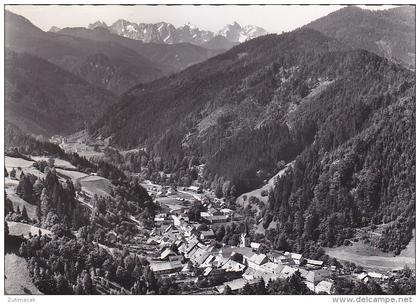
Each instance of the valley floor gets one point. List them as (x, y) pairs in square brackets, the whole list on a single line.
[(179, 200), (364, 255)]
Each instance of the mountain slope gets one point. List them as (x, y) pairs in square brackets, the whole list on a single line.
[(347, 118), (122, 68), (173, 57), (218, 43), (388, 33), (242, 98), (44, 99)]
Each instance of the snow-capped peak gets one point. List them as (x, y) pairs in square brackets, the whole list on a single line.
[(98, 23), (236, 33), (163, 32), (54, 29), (191, 26)]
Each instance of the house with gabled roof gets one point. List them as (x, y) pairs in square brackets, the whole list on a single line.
[(167, 253), (165, 267), (208, 262), (198, 256), (256, 246), (314, 263), (257, 260), (324, 287), (236, 284), (297, 257), (288, 271), (206, 235), (233, 266)]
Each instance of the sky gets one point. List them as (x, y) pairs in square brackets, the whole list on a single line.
[(273, 18)]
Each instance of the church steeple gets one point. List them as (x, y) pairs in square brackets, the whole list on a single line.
[(245, 240)]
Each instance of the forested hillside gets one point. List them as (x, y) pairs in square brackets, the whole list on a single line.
[(360, 171), (236, 109), (346, 116), (389, 33), (69, 223), (45, 100), (172, 57)]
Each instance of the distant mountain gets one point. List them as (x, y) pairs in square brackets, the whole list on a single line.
[(124, 66), (236, 33), (97, 24), (174, 57), (218, 43), (163, 32), (388, 33), (54, 29), (43, 99)]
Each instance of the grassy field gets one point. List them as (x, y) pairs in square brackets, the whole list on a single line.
[(260, 228), (57, 162), (91, 184), (81, 143), (12, 162), (10, 187), (372, 258), (96, 185), (25, 165), (17, 279), (24, 229), (73, 175), (173, 204), (17, 201), (257, 192)]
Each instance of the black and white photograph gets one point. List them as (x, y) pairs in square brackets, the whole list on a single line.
[(201, 149)]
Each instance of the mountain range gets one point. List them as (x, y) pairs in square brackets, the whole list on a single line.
[(163, 32), (122, 67), (102, 58)]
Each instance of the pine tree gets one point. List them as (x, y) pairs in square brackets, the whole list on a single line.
[(87, 284), (260, 288), (227, 290), (6, 230), (24, 213), (38, 212), (247, 290), (8, 205), (45, 202)]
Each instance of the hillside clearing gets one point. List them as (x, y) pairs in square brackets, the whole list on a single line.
[(57, 162), (14, 162), (26, 166), (73, 175), (257, 192), (96, 185), (17, 201), (368, 257), (17, 279), (16, 228)]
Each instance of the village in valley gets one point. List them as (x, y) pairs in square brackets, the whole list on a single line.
[(188, 251), (184, 242)]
